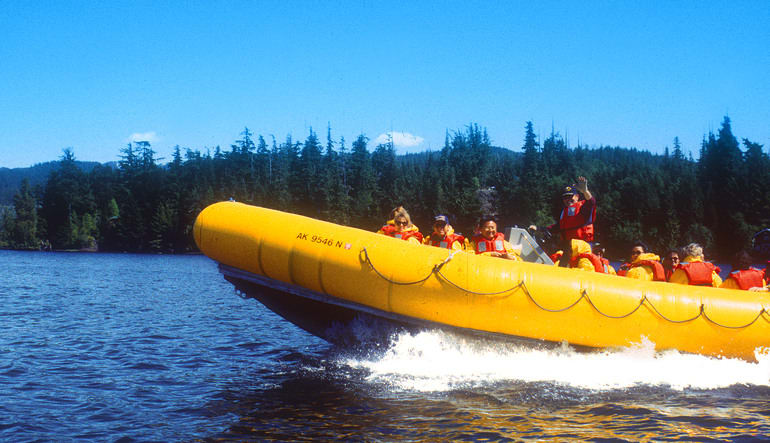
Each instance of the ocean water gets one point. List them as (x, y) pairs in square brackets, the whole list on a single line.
[(120, 347)]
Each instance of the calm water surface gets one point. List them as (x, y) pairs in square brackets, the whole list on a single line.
[(160, 348)]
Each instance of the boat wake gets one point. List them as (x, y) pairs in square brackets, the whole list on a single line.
[(441, 361)]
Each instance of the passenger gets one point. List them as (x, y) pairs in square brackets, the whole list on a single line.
[(583, 258), (576, 220), (556, 256), (643, 265), (599, 251), (743, 276), (694, 271), (490, 242), (469, 240), (400, 226), (670, 263), (443, 235)]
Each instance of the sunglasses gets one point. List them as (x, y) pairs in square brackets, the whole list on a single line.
[(404, 222)]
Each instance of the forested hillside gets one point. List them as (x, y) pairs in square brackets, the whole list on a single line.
[(667, 200), (11, 178)]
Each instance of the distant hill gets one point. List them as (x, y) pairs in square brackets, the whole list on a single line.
[(11, 178)]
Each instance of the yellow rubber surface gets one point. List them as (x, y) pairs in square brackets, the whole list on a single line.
[(483, 293)]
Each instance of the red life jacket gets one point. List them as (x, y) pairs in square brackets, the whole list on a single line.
[(658, 273), (747, 278), (390, 231), (573, 225), (698, 273), (595, 260), (605, 265), (446, 242), (482, 245)]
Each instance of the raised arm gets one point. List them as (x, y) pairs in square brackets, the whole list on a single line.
[(582, 185)]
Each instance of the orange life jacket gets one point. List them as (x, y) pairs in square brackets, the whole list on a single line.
[(747, 278), (446, 242), (698, 273), (595, 260), (482, 245), (658, 273), (573, 225), (390, 231)]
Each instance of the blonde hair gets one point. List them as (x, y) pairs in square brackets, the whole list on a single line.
[(693, 250), (401, 212)]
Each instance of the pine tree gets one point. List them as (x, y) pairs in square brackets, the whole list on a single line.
[(448, 184), (67, 197), (470, 157), (531, 199), (162, 228), (284, 158), (362, 182), (308, 192), (264, 171), (384, 167), (336, 197), (24, 232), (755, 203), (431, 186), (730, 229)]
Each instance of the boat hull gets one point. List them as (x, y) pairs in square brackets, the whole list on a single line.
[(355, 271), (339, 321)]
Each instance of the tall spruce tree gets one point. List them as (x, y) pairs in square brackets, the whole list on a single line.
[(531, 194), (385, 173), (309, 193), (362, 182), (284, 158), (722, 176), (24, 233), (755, 201), (470, 158), (66, 198), (336, 198), (263, 172)]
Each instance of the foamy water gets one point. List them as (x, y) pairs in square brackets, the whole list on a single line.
[(440, 361)]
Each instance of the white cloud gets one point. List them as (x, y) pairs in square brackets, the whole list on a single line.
[(400, 139), (151, 137)]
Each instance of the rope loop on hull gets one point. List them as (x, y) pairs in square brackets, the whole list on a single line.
[(583, 295), (382, 276), (761, 311)]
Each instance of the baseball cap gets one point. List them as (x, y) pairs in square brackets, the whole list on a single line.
[(569, 190)]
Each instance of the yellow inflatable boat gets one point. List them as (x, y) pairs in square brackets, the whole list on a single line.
[(317, 274)]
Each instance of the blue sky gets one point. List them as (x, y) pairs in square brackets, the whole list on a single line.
[(95, 75)]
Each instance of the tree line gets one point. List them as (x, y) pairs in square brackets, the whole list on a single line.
[(719, 200)]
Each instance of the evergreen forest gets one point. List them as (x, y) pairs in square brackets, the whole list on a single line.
[(142, 205)]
